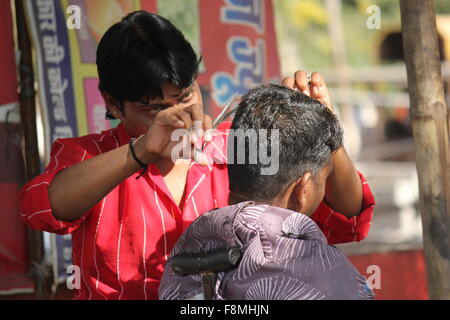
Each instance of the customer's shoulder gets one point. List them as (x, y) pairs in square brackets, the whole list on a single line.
[(215, 214)]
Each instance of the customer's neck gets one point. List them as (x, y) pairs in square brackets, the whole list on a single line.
[(235, 198)]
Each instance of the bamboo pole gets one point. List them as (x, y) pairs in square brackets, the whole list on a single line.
[(430, 131), (40, 273)]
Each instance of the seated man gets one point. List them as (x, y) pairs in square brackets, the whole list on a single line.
[(285, 255)]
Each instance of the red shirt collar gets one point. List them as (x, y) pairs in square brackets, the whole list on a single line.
[(123, 135)]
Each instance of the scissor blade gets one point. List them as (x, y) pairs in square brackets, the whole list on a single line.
[(223, 114)]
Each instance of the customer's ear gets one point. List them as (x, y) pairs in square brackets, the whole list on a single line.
[(302, 189)]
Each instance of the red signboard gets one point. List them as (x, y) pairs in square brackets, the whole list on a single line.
[(8, 83), (14, 278), (238, 46)]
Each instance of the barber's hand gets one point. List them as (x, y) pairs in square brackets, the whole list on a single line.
[(317, 89), (157, 142)]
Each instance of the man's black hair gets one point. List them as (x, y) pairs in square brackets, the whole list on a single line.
[(139, 54), (308, 135)]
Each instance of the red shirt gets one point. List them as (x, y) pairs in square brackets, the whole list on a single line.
[(121, 245)]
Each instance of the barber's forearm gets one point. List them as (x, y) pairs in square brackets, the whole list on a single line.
[(78, 188), (344, 190)]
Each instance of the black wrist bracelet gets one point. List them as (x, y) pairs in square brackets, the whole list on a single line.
[(133, 154)]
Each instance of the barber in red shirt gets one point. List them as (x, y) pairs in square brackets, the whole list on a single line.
[(123, 228)]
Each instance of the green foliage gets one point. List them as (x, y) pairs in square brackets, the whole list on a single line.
[(304, 23), (442, 6), (185, 16)]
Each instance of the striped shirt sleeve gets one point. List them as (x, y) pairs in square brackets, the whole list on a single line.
[(35, 205), (340, 229)]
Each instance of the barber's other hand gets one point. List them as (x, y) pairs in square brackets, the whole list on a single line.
[(317, 89)]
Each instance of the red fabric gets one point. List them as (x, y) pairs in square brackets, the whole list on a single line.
[(122, 244), (217, 34), (402, 274), (14, 273), (8, 81), (13, 251), (149, 5), (340, 229)]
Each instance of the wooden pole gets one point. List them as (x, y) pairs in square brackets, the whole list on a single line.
[(430, 131), (40, 273)]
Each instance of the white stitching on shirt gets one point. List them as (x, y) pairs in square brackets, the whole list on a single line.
[(118, 260), (95, 251), (162, 221), (195, 207), (95, 141), (143, 253), (58, 153), (81, 261), (84, 155), (195, 187), (37, 185), (35, 213), (329, 216)]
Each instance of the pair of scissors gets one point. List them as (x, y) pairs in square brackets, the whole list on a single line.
[(227, 111)]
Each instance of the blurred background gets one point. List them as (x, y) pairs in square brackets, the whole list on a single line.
[(355, 44), (363, 65)]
